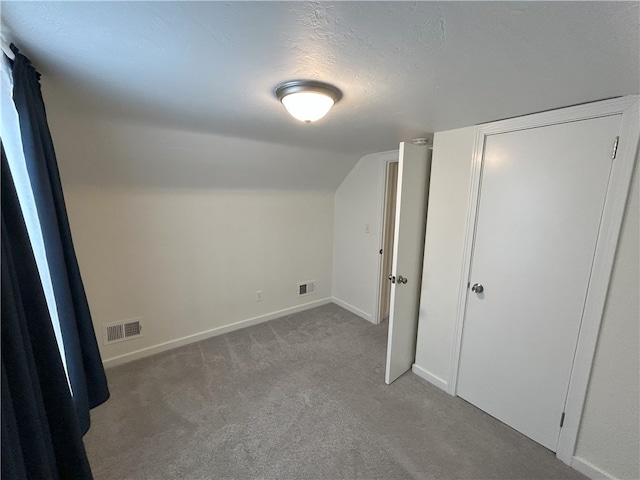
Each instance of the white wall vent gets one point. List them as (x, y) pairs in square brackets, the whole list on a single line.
[(306, 288), (121, 331)]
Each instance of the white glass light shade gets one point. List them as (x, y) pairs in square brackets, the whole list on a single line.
[(307, 106), (307, 100)]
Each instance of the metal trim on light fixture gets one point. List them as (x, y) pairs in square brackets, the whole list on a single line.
[(307, 100), (296, 86)]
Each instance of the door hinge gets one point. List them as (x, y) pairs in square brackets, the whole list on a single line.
[(615, 148), (562, 420)]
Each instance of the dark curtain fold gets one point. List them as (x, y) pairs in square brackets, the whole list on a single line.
[(41, 438), (84, 365)]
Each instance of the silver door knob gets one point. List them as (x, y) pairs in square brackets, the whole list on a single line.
[(477, 288), (402, 279), (392, 278)]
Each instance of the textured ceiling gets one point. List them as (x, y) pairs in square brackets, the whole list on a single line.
[(406, 68)]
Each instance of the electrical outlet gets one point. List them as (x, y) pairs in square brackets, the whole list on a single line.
[(366, 228), (259, 296)]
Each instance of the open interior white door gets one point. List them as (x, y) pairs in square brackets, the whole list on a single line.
[(408, 247)]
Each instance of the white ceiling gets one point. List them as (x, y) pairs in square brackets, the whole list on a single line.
[(406, 68)]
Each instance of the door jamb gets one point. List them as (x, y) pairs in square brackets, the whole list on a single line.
[(612, 217), (384, 158)]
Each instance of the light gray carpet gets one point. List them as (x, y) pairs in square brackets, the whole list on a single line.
[(300, 397)]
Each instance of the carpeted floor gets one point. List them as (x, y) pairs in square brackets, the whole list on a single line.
[(300, 397)]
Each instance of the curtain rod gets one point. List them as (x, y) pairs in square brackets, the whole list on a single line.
[(7, 49)]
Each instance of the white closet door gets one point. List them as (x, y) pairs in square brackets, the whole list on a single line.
[(408, 247), (541, 200)]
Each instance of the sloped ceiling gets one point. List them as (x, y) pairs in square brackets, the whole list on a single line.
[(406, 68)]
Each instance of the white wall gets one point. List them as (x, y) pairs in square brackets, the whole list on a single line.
[(358, 202), (609, 436), (443, 254), (189, 257), (192, 261)]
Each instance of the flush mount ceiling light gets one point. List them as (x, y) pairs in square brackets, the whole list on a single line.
[(307, 100)]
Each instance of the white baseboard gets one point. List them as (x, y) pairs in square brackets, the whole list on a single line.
[(591, 471), (352, 309), (178, 342), (430, 377)]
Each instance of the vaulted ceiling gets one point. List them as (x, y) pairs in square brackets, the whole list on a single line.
[(406, 68)]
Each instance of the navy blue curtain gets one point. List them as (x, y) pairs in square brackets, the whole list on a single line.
[(41, 437), (84, 366)]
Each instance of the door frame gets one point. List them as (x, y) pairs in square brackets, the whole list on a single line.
[(385, 159), (612, 217)]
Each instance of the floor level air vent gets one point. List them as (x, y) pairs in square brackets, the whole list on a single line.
[(121, 331), (306, 288)]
